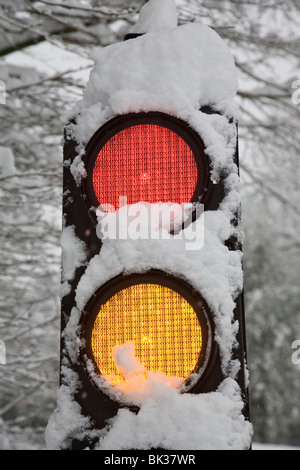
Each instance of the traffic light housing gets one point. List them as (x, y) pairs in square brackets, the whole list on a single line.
[(178, 306)]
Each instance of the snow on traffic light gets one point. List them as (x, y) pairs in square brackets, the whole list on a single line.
[(153, 351)]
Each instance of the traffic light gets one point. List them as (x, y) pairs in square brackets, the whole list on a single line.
[(155, 297)]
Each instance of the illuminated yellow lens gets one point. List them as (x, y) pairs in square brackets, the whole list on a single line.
[(162, 325)]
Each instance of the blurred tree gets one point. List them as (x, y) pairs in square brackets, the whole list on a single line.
[(264, 38), (272, 273)]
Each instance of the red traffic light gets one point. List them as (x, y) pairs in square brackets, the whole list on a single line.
[(145, 157)]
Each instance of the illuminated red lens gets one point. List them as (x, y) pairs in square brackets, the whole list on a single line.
[(144, 162)]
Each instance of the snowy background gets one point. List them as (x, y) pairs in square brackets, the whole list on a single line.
[(45, 69)]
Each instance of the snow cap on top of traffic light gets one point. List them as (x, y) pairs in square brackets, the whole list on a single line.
[(176, 70)]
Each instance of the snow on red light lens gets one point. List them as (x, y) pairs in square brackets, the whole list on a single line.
[(144, 163)]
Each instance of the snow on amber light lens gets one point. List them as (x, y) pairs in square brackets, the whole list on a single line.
[(144, 163), (161, 323)]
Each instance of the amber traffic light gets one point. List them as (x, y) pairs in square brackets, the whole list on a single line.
[(171, 328)]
